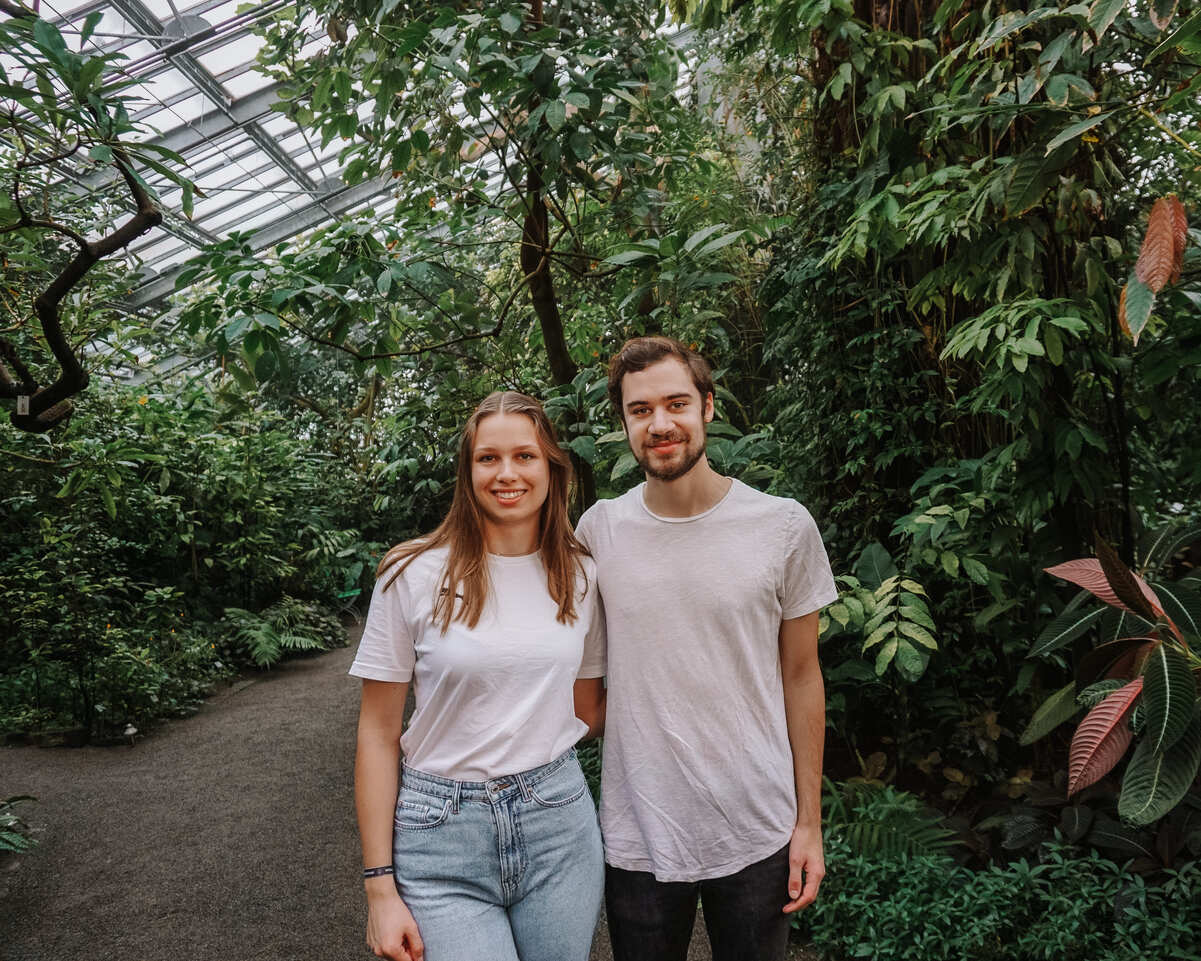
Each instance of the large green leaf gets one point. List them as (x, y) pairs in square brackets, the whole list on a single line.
[(1158, 547), (1156, 781), (1183, 605), (1138, 299), (1056, 709), (875, 565), (1169, 695), (1181, 35), (1114, 836), (1031, 176), (1064, 629), (1101, 17), (1075, 130), (1118, 624)]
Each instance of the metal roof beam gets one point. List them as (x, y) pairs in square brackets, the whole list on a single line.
[(334, 203)]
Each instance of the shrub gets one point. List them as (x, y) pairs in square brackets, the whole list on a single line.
[(1066, 906)]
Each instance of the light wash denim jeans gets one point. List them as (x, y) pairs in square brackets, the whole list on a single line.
[(509, 869)]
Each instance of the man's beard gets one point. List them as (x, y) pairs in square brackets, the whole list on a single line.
[(674, 471)]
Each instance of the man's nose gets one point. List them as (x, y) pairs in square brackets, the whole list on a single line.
[(660, 422)]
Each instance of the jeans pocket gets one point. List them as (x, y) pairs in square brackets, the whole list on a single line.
[(558, 791), (412, 815)]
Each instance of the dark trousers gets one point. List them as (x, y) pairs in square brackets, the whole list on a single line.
[(652, 920)]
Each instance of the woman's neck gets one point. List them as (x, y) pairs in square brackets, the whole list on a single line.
[(510, 540)]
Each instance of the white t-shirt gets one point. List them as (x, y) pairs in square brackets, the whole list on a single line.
[(698, 777), (494, 699)]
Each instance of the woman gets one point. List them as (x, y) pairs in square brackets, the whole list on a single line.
[(495, 618)]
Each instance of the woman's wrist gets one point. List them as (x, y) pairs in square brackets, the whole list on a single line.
[(380, 886)]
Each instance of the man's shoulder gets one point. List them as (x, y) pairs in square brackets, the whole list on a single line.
[(772, 505)]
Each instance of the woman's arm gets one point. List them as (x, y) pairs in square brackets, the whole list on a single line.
[(590, 696), (391, 930)]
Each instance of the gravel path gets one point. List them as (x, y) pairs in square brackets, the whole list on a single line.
[(226, 836)]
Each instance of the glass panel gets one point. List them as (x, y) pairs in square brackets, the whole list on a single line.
[(238, 50)]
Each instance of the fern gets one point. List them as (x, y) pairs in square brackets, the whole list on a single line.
[(288, 625), (882, 822)]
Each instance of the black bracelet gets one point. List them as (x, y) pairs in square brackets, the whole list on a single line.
[(379, 872)]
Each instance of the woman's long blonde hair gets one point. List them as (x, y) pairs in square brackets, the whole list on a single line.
[(462, 530)]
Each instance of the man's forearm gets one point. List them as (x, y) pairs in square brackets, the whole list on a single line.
[(805, 708)]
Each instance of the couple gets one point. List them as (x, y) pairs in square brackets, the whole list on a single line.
[(713, 709)]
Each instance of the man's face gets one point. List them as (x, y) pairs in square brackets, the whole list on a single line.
[(665, 419)]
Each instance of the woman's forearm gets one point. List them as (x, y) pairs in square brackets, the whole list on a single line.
[(377, 768)]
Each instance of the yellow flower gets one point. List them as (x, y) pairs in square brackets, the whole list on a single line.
[(143, 399)]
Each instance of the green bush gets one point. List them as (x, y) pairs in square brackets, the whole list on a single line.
[(1068, 907), (15, 835)]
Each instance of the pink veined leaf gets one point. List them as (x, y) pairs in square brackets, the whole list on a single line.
[(1102, 738), (1086, 572)]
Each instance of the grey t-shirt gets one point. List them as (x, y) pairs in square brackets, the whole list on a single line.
[(697, 779)]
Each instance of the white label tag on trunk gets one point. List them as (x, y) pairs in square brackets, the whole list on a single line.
[(23, 404)]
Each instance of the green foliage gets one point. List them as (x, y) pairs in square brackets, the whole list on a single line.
[(879, 821), (1063, 906), (287, 625), (893, 621), (15, 835), (109, 616), (1150, 680)]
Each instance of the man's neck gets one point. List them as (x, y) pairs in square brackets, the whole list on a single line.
[(696, 492)]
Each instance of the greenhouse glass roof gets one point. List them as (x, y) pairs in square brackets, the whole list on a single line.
[(200, 95)]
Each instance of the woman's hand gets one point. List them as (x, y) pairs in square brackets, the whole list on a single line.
[(391, 931)]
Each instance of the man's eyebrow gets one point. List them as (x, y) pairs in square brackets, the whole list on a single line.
[(683, 394)]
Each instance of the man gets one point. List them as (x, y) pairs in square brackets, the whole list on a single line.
[(716, 709)]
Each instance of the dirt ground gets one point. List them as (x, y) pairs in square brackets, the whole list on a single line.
[(226, 836)]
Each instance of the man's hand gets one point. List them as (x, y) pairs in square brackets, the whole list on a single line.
[(391, 931), (806, 866)]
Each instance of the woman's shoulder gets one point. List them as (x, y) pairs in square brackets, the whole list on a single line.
[(420, 565)]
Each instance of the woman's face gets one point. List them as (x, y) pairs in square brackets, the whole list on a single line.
[(510, 475)]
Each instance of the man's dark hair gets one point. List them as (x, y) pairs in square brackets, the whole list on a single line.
[(639, 353)]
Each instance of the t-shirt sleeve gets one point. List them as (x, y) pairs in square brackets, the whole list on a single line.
[(583, 530), (808, 582), (593, 663), (386, 650)]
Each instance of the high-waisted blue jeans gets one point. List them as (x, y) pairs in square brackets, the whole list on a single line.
[(509, 869)]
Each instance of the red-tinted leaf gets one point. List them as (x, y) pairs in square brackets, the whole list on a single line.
[(1102, 738), (1179, 235), (1087, 573), (1157, 258), (1121, 658), (1125, 582)]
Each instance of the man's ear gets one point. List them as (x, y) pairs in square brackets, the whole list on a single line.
[(708, 407)]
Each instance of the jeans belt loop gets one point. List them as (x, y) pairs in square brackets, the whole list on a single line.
[(525, 788), (454, 801)]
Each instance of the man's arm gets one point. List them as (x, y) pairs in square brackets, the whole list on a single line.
[(805, 709)]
